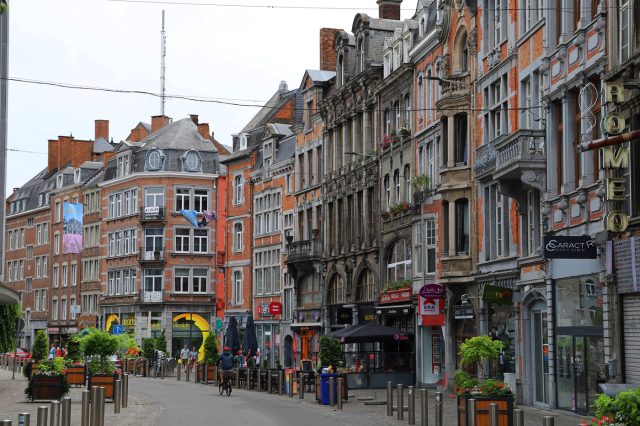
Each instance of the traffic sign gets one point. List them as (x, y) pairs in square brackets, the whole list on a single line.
[(219, 324), (116, 329)]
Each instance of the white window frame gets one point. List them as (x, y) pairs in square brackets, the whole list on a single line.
[(238, 288), (238, 236)]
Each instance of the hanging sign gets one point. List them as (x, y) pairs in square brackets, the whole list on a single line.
[(563, 247), (263, 310), (275, 308), (463, 312), (498, 295), (432, 291)]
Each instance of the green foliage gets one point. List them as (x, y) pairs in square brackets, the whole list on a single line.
[(623, 409), (9, 315), (330, 351), (101, 366), (278, 365), (479, 348), (99, 345), (491, 387), (148, 346), (125, 342), (421, 182), (73, 348), (464, 382), (211, 349), (161, 342), (251, 362), (397, 285), (40, 348)]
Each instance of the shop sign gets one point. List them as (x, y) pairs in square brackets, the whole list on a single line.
[(430, 306), (463, 312), (275, 308), (87, 321), (563, 247), (495, 294), (263, 310), (432, 291), (396, 296), (53, 330)]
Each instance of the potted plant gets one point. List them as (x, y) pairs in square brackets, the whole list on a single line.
[(474, 352), (49, 383), (386, 215), (39, 352), (100, 347), (617, 411), (404, 132), (211, 355), (394, 137), (75, 371), (330, 358)]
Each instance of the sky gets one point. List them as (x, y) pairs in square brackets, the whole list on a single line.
[(238, 53)]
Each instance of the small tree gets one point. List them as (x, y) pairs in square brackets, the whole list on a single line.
[(74, 350), (40, 348), (211, 349), (100, 345), (330, 351), (478, 349), (161, 342), (148, 346)]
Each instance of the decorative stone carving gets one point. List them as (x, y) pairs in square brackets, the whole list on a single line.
[(534, 178), (446, 65), (472, 42)]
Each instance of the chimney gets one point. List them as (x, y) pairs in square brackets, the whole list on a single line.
[(327, 53), (389, 9), (203, 129), (158, 122), (102, 129), (194, 118)]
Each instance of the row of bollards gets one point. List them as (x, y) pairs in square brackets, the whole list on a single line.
[(472, 414)]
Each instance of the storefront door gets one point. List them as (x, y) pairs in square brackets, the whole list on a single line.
[(580, 367), (540, 351)]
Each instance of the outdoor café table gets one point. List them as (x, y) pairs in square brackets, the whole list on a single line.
[(264, 374), (274, 380), (243, 373)]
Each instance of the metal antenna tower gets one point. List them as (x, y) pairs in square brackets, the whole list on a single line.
[(163, 67)]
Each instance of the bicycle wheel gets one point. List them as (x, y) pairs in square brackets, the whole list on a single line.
[(229, 388), (221, 387)]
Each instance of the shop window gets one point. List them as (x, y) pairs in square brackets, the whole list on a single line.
[(579, 302)]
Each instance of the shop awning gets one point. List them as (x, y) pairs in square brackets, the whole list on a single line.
[(369, 332), (8, 296)]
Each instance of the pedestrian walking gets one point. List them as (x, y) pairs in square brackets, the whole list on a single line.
[(184, 357), (52, 351), (194, 356), (258, 358)]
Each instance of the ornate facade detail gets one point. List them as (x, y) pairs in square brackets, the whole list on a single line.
[(534, 178), (472, 42)]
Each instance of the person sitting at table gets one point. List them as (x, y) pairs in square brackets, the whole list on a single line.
[(357, 366)]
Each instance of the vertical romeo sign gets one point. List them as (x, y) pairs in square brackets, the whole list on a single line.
[(72, 228)]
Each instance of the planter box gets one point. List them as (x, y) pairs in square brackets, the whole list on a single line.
[(76, 375), (131, 366), (505, 409), (46, 388), (105, 380)]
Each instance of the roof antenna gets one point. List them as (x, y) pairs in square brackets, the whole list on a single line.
[(163, 68)]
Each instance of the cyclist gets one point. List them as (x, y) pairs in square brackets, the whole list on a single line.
[(226, 363)]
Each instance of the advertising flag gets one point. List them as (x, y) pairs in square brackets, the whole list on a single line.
[(72, 228)]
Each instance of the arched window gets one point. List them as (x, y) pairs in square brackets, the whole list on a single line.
[(365, 289), (387, 121), (387, 190), (460, 60), (464, 59), (407, 111), (407, 183), (361, 53), (237, 288), (337, 293), (396, 184), (341, 70), (420, 98), (399, 262), (238, 235), (439, 75), (396, 107), (238, 189), (429, 94)]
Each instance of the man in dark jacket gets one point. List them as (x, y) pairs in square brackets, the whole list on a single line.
[(226, 361)]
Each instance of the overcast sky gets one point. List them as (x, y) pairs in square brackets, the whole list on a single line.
[(212, 51)]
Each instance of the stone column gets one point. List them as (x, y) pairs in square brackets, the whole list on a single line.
[(452, 229), (551, 148), (586, 158), (366, 140), (451, 141), (346, 143), (336, 227)]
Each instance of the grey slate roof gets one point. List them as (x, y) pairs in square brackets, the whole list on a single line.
[(267, 111), (180, 135), (101, 145), (320, 76), (286, 150)]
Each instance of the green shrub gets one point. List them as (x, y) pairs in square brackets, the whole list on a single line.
[(211, 349), (74, 349), (464, 382), (40, 349), (330, 351), (99, 345), (161, 342), (477, 349), (623, 409)]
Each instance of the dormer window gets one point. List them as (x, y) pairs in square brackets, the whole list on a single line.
[(396, 56), (191, 161), (387, 64), (361, 53), (59, 181), (123, 165), (341, 69), (243, 142), (155, 160), (422, 28), (406, 46), (76, 176)]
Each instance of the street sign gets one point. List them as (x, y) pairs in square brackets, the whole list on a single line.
[(219, 324), (275, 308), (116, 329), (75, 309)]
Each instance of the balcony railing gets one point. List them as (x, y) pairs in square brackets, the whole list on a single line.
[(304, 250), (152, 213), (150, 256), (454, 85), (151, 296)]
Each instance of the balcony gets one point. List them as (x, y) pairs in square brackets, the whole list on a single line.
[(150, 257), (455, 91), (302, 255), (196, 298), (150, 296), (460, 265), (152, 214), (521, 159)]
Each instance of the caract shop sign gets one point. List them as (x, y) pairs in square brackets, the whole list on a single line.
[(561, 247)]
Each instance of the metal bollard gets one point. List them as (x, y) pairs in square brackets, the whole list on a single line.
[(187, 373), (163, 367), (424, 407), (304, 379), (125, 390), (301, 387), (332, 389), (237, 378), (400, 408), (291, 384), (94, 406), (54, 420), (518, 417), (43, 413), (493, 415), (438, 414), (340, 392), (259, 387), (117, 396), (412, 406), (24, 419), (280, 378), (5, 422), (178, 371), (389, 400), (66, 411), (85, 411), (472, 415), (547, 421), (100, 402)]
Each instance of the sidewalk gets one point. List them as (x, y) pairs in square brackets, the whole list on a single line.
[(141, 410)]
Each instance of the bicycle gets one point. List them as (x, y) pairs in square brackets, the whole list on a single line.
[(225, 384)]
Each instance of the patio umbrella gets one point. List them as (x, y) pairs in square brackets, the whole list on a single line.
[(231, 338), (250, 343), (343, 331), (370, 332)]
